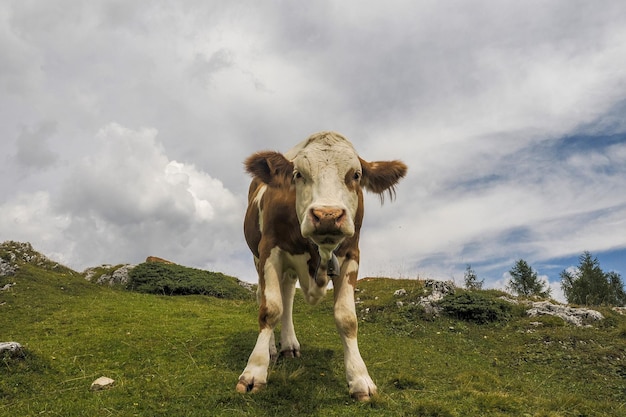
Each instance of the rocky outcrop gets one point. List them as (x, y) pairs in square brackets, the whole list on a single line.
[(109, 274), (434, 290), (7, 268), (16, 252), (575, 316)]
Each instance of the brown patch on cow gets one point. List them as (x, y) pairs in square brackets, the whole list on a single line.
[(270, 167), (382, 176), (156, 259)]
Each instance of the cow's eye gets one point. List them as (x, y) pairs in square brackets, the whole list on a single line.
[(297, 175), (357, 176)]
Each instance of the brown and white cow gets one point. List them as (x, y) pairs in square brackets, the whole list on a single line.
[(305, 210)]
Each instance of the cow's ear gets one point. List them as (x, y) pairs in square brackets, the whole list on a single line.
[(270, 167), (381, 176)]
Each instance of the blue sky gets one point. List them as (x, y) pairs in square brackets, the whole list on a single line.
[(124, 126)]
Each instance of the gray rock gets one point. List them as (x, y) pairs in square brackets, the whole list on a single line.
[(7, 268), (118, 276), (12, 348), (575, 316), (400, 292)]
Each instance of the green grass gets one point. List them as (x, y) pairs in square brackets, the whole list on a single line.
[(181, 356)]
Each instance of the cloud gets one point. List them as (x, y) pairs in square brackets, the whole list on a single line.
[(127, 200), (32, 146)]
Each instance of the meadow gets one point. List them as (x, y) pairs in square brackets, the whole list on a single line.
[(182, 355)]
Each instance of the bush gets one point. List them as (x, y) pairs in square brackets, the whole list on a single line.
[(170, 279), (475, 307)]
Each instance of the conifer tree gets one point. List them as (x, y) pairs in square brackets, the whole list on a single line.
[(590, 285), (525, 282)]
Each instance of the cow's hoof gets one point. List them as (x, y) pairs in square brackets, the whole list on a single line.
[(361, 396), (243, 386), (290, 353)]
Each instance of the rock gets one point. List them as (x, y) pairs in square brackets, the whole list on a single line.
[(438, 290), (110, 275), (12, 348), (247, 285), (619, 310), (400, 292), (575, 316), (119, 276), (7, 286), (102, 383), (7, 268), (156, 259)]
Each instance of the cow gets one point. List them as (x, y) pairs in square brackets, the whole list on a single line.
[(304, 215)]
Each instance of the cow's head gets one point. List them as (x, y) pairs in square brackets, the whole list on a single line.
[(328, 177)]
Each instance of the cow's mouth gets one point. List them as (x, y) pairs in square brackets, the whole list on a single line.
[(329, 240)]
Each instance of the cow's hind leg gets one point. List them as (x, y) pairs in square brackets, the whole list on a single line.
[(254, 376), (360, 384)]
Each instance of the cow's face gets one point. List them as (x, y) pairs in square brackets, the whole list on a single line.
[(327, 175), (327, 178)]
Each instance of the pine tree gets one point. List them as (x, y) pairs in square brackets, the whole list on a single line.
[(525, 282), (590, 285)]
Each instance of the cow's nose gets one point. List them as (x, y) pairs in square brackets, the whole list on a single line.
[(327, 217)]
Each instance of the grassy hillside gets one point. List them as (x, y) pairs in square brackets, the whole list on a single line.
[(181, 356)]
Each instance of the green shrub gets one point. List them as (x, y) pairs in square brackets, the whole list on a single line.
[(476, 307), (170, 279)]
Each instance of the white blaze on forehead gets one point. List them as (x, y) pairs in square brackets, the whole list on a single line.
[(324, 157), (319, 142)]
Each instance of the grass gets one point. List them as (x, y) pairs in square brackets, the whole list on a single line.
[(181, 356)]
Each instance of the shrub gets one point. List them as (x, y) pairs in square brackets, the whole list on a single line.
[(170, 279), (475, 307)]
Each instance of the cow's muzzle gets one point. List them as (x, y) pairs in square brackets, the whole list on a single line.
[(327, 220)]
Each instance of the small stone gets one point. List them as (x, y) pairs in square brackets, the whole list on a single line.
[(12, 348), (102, 383)]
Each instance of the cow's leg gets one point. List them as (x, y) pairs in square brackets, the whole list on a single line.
[(289, 345), (254, 376), (273, 350), (360, 384)]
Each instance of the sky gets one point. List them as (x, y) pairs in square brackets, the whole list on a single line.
[(124, 125)]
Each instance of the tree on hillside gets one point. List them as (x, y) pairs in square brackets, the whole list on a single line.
[(590, 285), (471, 280), (525, 282)]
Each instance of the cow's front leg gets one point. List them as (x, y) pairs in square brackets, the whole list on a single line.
[(254, 376), (289, 345), (360, 384)]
